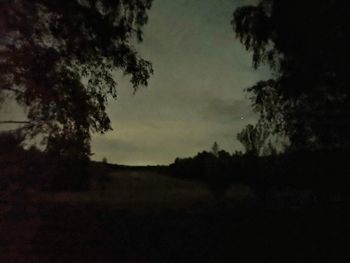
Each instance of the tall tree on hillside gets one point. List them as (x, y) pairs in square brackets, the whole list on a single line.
[(58, 59), (215, 149), (306, 45)]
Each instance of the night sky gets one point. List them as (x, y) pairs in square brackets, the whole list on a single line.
[(196, 95)]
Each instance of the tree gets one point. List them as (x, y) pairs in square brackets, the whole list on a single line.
[(305, 44), (215, 149), (58, 59), (253, 139)]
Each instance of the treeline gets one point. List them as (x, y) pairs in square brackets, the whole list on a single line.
[(325, 173), (23, 167), (31, 168)]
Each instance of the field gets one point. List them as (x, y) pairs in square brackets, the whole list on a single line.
[(140, 191), (143, 216)]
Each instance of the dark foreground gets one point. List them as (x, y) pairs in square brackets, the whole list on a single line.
[(90, 233)]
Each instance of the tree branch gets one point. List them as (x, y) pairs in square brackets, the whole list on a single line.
[(12, 89), (14, 122)]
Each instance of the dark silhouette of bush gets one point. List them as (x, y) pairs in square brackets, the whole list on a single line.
[(12, 159), (42, 170)]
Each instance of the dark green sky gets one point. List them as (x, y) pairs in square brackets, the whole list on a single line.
[(196, 94)]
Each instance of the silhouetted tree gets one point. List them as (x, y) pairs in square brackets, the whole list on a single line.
[(215, 149), (57, 60), (305, 44), (253, 139)]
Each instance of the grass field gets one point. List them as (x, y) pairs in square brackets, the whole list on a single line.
[(147, 217), (147, 192)]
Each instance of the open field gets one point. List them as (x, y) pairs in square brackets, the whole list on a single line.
[(136, 191), (147, 217)]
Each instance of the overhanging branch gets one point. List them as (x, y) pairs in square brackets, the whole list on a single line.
[(14, 122)]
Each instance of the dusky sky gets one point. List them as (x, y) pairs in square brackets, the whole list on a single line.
[(196, 95)]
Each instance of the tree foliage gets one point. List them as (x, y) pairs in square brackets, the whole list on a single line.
[(58, 58), (305, 43), (253, 139)]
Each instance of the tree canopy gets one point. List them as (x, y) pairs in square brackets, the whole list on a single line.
[(58, 60), (305, 44)]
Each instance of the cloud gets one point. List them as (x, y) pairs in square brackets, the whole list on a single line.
[(221, 110)]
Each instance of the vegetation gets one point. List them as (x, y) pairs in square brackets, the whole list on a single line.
[(57, 60), (305, 44), (253, 139)]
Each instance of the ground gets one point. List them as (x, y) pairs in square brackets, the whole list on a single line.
[(148, 217)]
